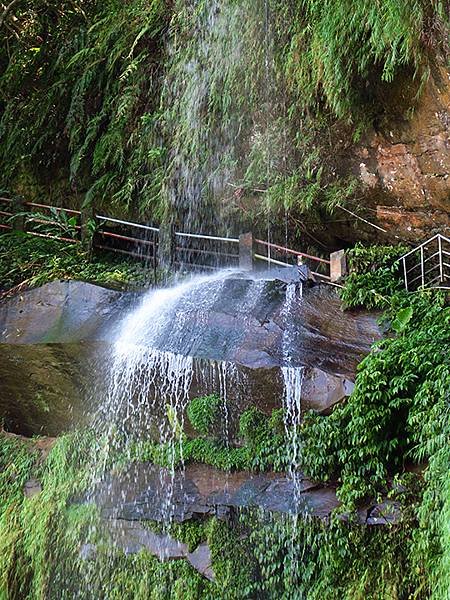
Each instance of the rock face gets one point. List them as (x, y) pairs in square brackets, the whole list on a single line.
[(60, 312), (56, 340), (140, 494), (137, 495), (404, 166), (132, 537)]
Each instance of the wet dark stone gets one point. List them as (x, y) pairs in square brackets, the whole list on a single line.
[(202, 490), (200, 559), (244, 323), (55, 339), (131, 537)]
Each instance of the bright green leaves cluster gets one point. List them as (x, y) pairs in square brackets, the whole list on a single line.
[(374, 276), (263, 448), (85, 100), (156, 107), (376, 431), (398, 415), (40, 536), (203, 412)]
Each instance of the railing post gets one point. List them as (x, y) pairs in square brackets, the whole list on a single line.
[(87, 231), (246, 251), (166, 246), (441, 260), (422, 266), (405, 273), (18, 208), (338, 266)]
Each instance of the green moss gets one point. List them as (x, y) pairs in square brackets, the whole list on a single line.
[(204, 413), (264, 448)]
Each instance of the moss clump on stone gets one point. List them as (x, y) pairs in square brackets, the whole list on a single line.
[(204, 413)]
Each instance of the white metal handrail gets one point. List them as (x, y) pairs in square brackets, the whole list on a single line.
[(428, 264)]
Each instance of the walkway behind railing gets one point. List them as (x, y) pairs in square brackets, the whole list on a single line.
[(164, 246), (428, 265)]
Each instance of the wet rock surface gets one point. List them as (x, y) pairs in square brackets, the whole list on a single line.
[(140, 494), (132, 536), (56, 340), (238, 319), (60, 312)]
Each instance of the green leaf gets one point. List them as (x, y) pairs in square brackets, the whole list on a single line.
[(402, 319)]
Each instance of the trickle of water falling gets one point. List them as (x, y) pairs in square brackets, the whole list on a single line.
[(293, 381), (149, 387)]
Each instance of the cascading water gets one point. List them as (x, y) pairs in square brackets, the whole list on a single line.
[(152, 368), (149, 386), (293, 380)]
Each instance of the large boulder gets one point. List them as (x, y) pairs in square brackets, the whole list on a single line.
[(57, 342)]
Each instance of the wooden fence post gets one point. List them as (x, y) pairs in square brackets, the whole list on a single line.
[(246, 251), (166, 246), (338, 266), (18, 208), (87, 231)]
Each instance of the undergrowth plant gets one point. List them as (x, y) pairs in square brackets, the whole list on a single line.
[(34, 261)]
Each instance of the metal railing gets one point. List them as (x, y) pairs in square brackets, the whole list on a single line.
[(428, 265), (161, 245), (274, 252)]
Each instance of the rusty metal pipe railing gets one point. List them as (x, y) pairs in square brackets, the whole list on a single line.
[(293, 252)]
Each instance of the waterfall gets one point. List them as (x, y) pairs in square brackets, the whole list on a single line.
[(293, 381), (153, 367), (149, 387), (219, 100)]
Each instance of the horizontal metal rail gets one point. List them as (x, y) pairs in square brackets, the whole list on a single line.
[(294, 252), (45, 222), (206, 251), (199, 236), (125, 238), (428, 261), (283, 264), (202, 251), (435, 237), (53, 237), (129, 223), (69, 211), (128, 252), (194, 266)]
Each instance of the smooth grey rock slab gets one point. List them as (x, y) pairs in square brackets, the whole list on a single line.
[(235, 319), (55, 347), (201, 490), (132, 537), (200, 559), (60, 311)]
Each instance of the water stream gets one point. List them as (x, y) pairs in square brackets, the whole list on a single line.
[(154, 366)]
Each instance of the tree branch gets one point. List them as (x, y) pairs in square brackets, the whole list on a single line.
[(7, 10)]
